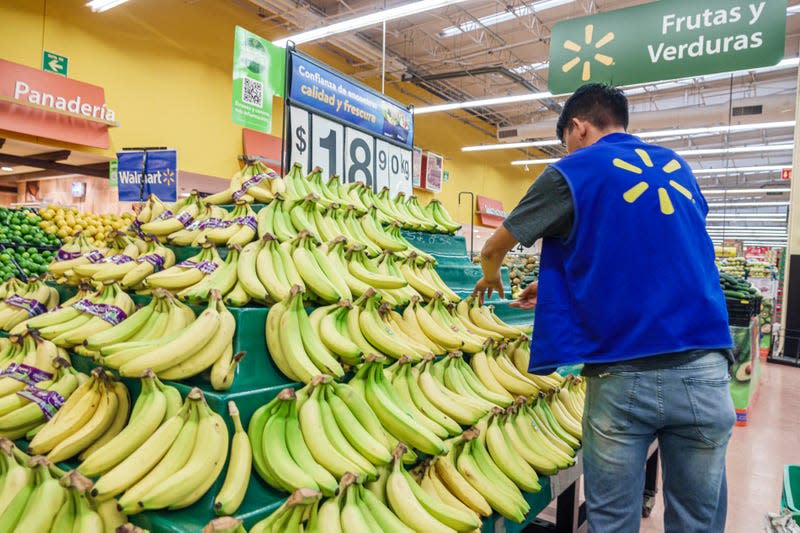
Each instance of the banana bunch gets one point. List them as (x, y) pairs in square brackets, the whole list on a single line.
[(205, 343), (33, 360), (405, 420), (299, 508), (237, 478), (74, 253), (208, 216), (70, 326), (223, 280), (175, 466), (413, 216), (497, 372), (366, 269), (130, 275), (155, 404), (436, 211), (224, 524), (336, 251), (549, 444), (85, 418), (330, 323), (265, 270), (519, 352), (175, 218), (317, 270), (422, 276), (305, 214), (441, 327), (294, 345), (275, 219), (238, 227), (24, 410), (36, 496), (123, 251), (395, 230), (188, 272), (378, 328), (566, 404), (297, 185), (349, 220), (150, 210), (25, 300), (256, 181), (374, 230), (10, 286)]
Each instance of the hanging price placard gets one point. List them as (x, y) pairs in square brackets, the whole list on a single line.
[(346, 128)]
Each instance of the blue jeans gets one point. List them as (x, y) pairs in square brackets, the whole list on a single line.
[(689, 410)]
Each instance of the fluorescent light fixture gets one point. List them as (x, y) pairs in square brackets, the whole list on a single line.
[(766, 229), (7, 169), (737, 150), (365, 20), (540, 65), (736, 170), (536, 161), (642, 134), (734, 217), (748, 204), (507, 146), (706, 192), (497, 18), (98, 6), (734, 128), (487, 101)]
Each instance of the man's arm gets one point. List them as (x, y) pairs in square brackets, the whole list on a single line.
[(546, 210), (492, 255)]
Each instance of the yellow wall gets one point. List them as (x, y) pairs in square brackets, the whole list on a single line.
[(166, 69)]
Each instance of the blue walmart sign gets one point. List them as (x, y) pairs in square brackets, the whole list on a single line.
[(160, 175)]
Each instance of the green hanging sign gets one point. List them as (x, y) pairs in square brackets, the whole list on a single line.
[(259, 72), (666, 40)]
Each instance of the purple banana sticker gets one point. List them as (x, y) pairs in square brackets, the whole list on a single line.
[(33, 307)]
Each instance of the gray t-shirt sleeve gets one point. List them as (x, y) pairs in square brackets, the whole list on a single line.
[(546, 210)]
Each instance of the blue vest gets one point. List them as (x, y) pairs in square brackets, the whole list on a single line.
[(636, 277)]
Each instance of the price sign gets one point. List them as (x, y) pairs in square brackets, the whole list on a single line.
[(346, 128)]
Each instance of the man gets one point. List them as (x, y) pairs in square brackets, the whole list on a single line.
[(629, 287)]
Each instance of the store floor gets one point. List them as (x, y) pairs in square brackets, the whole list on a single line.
[(757, 453)]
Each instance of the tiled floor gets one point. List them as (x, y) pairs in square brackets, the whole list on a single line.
[(757, 453)]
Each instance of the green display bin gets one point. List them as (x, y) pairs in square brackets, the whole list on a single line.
[(790, 499), (538, 502)]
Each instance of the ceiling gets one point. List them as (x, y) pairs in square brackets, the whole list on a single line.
[(510, 58)]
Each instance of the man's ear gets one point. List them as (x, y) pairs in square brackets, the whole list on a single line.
[(581, 126)]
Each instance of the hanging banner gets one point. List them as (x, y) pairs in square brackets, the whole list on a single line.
[(346, 128), (160, 169), (666, 40), (258, 75)]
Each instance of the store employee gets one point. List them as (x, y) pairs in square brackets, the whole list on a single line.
[(629, 287)]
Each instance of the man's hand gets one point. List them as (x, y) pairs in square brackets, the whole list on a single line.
[(527, 298), (489, 285)]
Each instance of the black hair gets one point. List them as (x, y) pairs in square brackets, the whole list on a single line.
[(602, 105)]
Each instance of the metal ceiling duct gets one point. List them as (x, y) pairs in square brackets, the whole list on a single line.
[(746, 111)]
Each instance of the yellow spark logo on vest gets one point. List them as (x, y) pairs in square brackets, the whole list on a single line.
[(588, 35), (633, 194)]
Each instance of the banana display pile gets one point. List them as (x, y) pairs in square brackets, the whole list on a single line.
[(36, 379), (316, 437), (71, 324), (127, 260), (304, 346), (260, 183), (37, 496), (21, 300), (167, 338)]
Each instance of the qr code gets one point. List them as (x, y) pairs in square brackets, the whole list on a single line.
[(252, 91)]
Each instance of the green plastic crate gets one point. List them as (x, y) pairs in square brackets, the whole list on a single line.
[(790, 498)]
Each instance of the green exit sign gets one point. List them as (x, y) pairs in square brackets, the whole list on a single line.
[(54, 63)]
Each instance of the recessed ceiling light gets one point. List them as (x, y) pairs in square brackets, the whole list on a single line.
[(7, 169)]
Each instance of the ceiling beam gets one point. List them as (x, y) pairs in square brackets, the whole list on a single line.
[(52, 165), (56, 155)]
